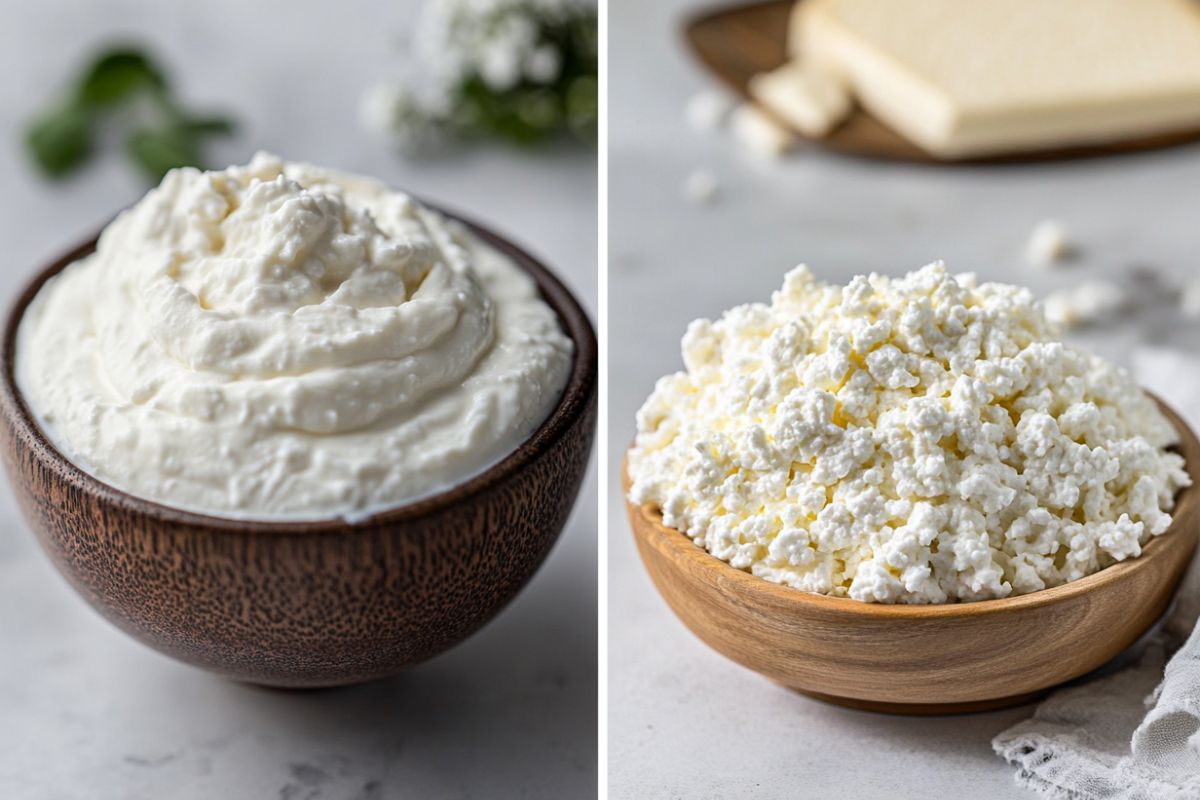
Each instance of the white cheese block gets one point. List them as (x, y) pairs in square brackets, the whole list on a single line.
[(701, 187), (812, 101), (1049, 244), (1087, 303), (975, 78), (708, 110), (758, 133), (1189, 299)]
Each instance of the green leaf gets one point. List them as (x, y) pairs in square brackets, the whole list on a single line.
[(208, 126), (118, 74), (60, 141), (159, 150), (125, 86), (522, 115), (583, 107)]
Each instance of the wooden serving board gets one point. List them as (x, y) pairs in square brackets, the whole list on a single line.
[(737, 42)]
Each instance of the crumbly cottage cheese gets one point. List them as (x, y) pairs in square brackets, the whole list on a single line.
[(911, 440), (1085, 303), (280, 340)]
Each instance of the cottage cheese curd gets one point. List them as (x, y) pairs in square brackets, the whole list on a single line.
[(280, 340), (911, 440), (1085, 303)]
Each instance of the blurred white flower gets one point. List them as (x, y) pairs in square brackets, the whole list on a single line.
[(499, 66), (543, 64), (521, 69), (415, 122), (377, 110)]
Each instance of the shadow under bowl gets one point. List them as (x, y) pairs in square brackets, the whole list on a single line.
[(309, 603), (933, 659)]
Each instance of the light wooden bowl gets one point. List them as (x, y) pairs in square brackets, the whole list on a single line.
[(311, 603), (921, 659)]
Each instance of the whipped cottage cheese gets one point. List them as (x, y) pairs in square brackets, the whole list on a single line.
[(911, 440), (280, 340)]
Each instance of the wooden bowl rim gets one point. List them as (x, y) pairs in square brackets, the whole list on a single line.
[(680, 548), (572, 404)]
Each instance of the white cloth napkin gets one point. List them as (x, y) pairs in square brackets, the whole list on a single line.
[(1134, 733)]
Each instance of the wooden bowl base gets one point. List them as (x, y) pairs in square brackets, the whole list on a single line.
[(897, 658), (925, 709)]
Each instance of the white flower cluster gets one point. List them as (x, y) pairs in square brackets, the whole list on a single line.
[(502, 42)]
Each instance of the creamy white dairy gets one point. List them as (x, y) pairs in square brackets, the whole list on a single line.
[(910, 440), (283, 341)]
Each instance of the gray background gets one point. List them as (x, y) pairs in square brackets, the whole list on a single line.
[(87, 713), (683, 721)]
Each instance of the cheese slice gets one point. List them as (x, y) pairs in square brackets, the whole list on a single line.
[(758, 133), (813, 101), (966, 78)]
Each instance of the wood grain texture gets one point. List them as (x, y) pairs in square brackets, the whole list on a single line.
[(921, 659), (320, 603), (737, 42)]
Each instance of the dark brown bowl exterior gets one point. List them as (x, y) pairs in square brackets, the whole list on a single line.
[(307, 604)]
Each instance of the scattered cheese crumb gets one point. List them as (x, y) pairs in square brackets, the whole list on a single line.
[(707, 110), (1189, 299), (903, 440), (760, 134), (700, 187), (1049, 244), (812, 101), (1084, 304)]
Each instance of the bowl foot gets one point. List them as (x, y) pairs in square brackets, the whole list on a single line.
[(926, 709)]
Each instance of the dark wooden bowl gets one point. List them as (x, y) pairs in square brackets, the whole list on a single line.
[(936, 659), (736, 41), (309, 603)]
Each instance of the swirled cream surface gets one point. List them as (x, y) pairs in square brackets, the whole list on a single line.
[(283, 341)]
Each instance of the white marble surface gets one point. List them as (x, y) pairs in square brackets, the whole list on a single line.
[(88, 714), (683, 721)]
